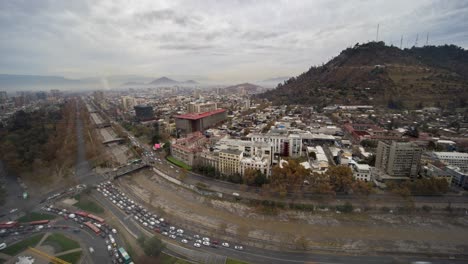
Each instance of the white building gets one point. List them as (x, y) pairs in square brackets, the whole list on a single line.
[(457, 159), (361, 172)]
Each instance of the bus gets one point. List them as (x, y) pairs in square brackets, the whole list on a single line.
[(125, 256), (39, 222), (93, 227), (96, 218), (9, 224), (82, 213)]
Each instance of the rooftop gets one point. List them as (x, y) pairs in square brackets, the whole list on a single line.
[(196, 116)]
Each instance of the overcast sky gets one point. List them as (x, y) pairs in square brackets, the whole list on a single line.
[(220, 40)]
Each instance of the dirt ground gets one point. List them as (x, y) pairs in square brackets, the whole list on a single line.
[(357, 231)]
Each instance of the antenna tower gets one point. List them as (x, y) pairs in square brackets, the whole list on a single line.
[(416, 42), (401, 42), (377, 35), (427, 39)]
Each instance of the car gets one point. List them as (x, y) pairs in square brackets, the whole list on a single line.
[(238, 247), (206, 239), (91, 250), (109, 248), (196, 236), (206, 243), (114, 231), (185, 241), (198, 241), (224, 244), (172, 228), (3, 246), (181, 231), (196, 245), (164, 233), (173, 236), (145, 224)]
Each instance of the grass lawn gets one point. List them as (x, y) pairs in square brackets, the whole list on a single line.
[(34, 216), (166, 259), (62, 241), (22, 245), (73, 257), (178, 163), (88, 205), (235, 261)]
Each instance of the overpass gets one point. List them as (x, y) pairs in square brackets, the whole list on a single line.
[(103, 125), (126, 170), (114, 140)]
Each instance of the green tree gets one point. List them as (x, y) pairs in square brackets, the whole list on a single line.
[(341, 178)]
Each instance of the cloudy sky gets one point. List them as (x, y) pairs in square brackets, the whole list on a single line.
[(223, 41)]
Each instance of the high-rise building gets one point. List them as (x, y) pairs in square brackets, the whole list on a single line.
[(128, 102), (398, 159), (201, 107), (3, 97), (144, 112)]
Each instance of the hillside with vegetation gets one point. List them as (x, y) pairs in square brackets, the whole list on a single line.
[(376, 74)]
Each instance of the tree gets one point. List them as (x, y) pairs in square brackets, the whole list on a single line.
[(153, 246), (341, 178), (361, 188), (313, 155), (289, 177), (249, 176)]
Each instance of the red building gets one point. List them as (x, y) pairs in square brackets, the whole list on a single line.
[(189, 123)]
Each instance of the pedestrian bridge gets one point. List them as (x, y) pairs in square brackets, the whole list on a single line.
[(114, 140)]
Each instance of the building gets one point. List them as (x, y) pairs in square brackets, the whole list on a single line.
[(398, 159), (187, 149), (459, 178), (192, 122), (361, 172), (128, 102), (55, 93), (457, 159), (143, 112), (229, 161), (201, 107), (359, 132), (432, 171), (3, 97), (98, 95)]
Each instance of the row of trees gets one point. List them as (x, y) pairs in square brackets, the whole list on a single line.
[(423, 186)]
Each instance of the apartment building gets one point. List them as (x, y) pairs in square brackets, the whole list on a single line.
[(361, 172), (398, 159), (187, 149), (457, 159), (201, 107), (229, 161)]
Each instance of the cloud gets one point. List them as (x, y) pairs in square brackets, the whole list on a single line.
[(221, 40)]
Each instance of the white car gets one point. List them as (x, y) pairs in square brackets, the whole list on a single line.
[(181, 231), (91, 250), (206, 243), (198, 241), (13, 210), (206, 239), (184, 241), (197, 245), (145, 224), (161, 219), (172, 228), (173, 236), (238, 247), (164, 233), (224, 244), (3, 246), (114, 231)]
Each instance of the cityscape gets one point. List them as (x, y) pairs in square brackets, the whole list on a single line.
[(267, 151)]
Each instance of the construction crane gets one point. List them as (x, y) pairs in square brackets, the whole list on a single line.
[(48, 257)]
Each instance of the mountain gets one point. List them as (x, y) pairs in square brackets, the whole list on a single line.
[(190, 82), (133, 83), (163, 81), (376, 74), (248, 88)]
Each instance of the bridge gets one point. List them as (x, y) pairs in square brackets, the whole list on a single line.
[(114, 140), (121, 171), (103, 125)]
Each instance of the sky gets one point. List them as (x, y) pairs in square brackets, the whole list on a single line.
[(221, 41)]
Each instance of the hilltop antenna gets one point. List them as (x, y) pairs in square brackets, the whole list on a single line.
[(427, 39), (401, 41), (377, 35), (416, 42)]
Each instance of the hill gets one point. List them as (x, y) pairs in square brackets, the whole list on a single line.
[(376, 74), (248, 88), (11, 82), (163, 81)]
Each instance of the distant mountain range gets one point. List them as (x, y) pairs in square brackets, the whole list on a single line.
[(373, 73), (163, 81)]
